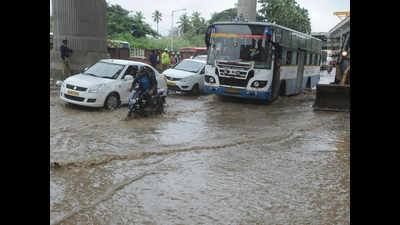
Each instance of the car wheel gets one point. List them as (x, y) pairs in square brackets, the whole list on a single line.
[(196, 89), (112, 101)]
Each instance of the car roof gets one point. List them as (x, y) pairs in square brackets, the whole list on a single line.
[(196, 60), (124, 62)]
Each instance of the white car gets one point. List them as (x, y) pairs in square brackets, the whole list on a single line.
[(186, 76), (106, 84), (201, 57)]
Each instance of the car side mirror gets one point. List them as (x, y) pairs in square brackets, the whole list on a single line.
[(128, 77)]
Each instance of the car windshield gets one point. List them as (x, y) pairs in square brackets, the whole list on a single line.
[(202, 57), (105, 70), (242, 43), (190, 66)]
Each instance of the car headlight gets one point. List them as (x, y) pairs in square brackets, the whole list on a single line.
[(96, 89)]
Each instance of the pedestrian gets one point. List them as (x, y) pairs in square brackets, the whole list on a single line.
[(65, 56), (153, 59), (165, 60), (172, 58), (178, 57), (158, 56)]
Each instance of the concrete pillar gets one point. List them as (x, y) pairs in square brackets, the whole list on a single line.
[(84, 24), (247, 9)]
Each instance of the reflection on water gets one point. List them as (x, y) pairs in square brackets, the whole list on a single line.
[(207, 160)]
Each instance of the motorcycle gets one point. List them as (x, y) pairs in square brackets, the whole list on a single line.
[(140, 106)]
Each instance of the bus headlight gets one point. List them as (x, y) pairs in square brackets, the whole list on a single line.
[(209, 79), (344, 53), (259, 83)]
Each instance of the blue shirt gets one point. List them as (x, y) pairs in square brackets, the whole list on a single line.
[(65, 51), (145, 83)]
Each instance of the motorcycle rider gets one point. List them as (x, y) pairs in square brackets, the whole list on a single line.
[(147, 84)]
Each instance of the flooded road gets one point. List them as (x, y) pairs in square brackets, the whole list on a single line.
[(207, 160)]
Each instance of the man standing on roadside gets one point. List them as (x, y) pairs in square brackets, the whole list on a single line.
[(153, 59), (165, 60), (65, 54)]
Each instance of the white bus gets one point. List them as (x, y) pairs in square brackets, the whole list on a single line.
[(242, 60)]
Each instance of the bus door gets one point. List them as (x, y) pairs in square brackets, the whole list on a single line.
[(300, 71)]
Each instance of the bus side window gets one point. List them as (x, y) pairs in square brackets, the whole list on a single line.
[(314, 62), (283, 56), (294, 58), (288, 57)]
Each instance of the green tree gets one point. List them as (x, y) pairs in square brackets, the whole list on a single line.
[(157, 17), (199, 24), (184, 24), (226, 15), (119, 21), (286, 13)]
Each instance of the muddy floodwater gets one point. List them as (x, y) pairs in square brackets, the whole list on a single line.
[(207, 160)]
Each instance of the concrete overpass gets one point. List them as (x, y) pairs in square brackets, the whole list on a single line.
[(337, 34), (84, 24)]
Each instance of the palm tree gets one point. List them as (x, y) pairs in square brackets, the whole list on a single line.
[(185, 25), (157, 17)]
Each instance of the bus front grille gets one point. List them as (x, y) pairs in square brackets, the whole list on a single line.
[(232, 82)]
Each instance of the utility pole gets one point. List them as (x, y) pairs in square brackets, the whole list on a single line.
[(247, 10), (172, 27)]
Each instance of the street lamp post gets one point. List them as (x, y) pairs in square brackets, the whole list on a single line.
[(172, 27)]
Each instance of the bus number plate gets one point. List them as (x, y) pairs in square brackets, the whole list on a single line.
[(232, 90)]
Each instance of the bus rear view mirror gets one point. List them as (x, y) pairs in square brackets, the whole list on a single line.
[(208, 36)]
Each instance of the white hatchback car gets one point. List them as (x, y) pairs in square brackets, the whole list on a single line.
[(106, 84), (186, 76)]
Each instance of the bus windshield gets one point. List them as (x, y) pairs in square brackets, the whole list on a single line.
[(241, 43)]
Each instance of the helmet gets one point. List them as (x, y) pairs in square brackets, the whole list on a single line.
[(166, 49)]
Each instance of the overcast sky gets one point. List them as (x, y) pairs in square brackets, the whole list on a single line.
[(320, 11)]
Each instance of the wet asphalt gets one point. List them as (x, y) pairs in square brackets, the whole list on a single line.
[(207, 160)]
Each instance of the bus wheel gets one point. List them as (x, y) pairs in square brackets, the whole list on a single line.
[(308, 85)]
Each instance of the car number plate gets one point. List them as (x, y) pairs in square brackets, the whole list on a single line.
[(171, 83), (232, 90), (73, 93)]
